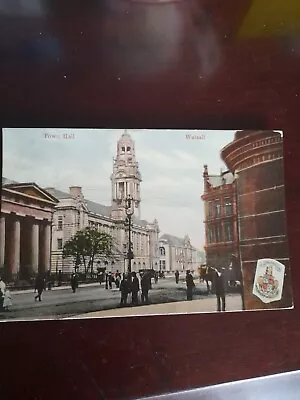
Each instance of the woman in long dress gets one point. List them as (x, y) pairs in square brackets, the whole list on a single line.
[(7, 302)]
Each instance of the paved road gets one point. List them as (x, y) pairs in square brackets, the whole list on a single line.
[(64, 303)]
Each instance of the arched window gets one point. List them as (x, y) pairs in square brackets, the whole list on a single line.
[(162, 251), (128, 148), (123, 149)]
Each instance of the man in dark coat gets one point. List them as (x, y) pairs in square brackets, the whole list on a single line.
[(189, 285), (220, 290), (59, 279), (145, 284), (39, 286), (110, 280), (135, 287), (177, 276), (74, 282), (125, 290)]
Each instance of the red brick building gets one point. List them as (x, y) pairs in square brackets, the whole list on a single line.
[(256, 159), (220, 219)]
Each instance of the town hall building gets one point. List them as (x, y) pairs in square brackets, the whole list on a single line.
[(74, 213), (37, 222)]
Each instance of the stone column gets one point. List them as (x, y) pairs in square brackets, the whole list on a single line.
[(2, 240), (47, 243), (35, 247), (15, 247)]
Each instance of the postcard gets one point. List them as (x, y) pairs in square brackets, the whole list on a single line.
[(121, 222)]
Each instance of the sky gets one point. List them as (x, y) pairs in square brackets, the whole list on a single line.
[(170, 164)]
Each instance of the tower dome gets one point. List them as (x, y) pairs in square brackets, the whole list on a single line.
[(126, 176)]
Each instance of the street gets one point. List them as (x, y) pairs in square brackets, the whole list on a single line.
[(63, 303)]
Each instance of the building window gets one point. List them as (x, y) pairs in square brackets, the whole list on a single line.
[(60, 223), (123, 149), (228, 206), (128, 148), (210, 209), (210, 235), (59, 244), (228, 232), (121, 188), (218, 208), (162, 251), (218, 233)]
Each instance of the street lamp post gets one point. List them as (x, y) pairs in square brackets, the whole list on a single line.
[(129, 212)]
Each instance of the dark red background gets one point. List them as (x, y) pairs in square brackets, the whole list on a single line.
[(256, 85)]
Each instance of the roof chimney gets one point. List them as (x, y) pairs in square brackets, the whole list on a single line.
[(206, 178), (76, 191)]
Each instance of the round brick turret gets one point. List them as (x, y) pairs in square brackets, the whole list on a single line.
[(256, 160)]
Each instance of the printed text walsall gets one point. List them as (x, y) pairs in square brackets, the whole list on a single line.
[(190, 136)]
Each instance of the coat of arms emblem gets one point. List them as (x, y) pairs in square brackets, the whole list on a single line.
[(268, 281)]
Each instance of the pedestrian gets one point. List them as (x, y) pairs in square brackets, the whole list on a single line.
[(2, 292), (7, 302), (59, 279), (74, 282), (39, 286), (118, 275), (125, 290), (189, 285), (177, 276), (106, 281), (110, 280), (135, 287), (145, 285), (117, 280), (155, 276), (220, 290)]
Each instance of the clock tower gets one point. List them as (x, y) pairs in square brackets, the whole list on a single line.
[(126, 177)]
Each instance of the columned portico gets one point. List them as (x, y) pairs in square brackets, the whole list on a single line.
[(25, 231), (25, 245)]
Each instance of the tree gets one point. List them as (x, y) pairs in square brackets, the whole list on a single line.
[(87, 244), (76, 248)]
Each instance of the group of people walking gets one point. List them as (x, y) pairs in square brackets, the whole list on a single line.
[(218, 281), (130, 284)]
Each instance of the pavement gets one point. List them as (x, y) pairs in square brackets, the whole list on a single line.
[(93, 300), (22, 291), (205, 305)]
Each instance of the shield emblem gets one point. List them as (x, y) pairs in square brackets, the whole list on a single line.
[(268, 280)]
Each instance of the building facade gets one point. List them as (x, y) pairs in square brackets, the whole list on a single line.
[(256, 159), (74, 213), (25, 232), (220, 221), (177, 254)]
